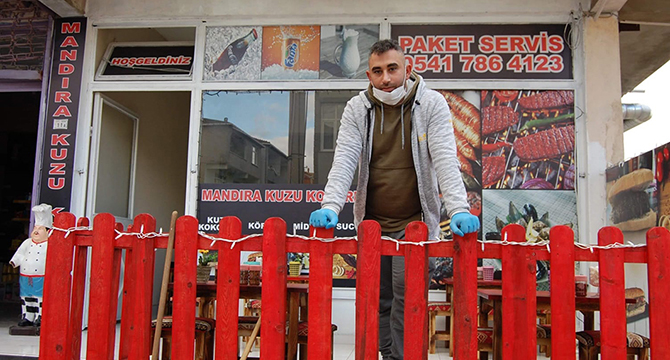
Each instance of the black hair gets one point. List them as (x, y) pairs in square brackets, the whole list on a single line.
[(385, 45)]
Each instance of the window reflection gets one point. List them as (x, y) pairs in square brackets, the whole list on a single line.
[(269, 137)]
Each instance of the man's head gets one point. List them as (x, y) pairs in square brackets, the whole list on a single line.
[(386, 67)]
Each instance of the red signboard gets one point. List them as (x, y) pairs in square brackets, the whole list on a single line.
[(62, 111), (486, 51)]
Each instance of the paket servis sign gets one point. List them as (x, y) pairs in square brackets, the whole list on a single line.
[(536, 51)]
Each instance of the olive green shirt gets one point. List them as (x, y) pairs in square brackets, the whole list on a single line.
[(393, 192)]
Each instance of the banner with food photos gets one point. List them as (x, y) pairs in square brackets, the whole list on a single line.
[(288, 52), (516, 149), (634, 188), (661, 166)]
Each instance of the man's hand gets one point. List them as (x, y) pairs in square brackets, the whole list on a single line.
[(323, 218), (463, 223)]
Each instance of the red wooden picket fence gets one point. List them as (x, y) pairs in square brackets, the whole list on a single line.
[(66, 276)]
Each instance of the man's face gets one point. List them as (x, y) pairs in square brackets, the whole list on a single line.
[(39, 234), (387, 71)]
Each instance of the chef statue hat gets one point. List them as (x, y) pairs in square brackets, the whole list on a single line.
[(43, 215)]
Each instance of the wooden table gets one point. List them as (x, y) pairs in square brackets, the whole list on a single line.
[(481, 284), (297, 305), (587, 305)]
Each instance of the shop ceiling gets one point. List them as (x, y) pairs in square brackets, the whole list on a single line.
[(644, 30)]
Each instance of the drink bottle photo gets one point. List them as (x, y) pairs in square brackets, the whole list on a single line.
[(234, 52), (291, 53)]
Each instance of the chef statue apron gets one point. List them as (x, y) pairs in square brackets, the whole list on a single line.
[(31, 257)]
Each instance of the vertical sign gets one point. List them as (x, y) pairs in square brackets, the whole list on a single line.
[(61, 113)]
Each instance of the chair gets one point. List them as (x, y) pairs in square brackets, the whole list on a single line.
[(544, 317), (589, 345), (485, 340), (204, 338), (252, 308), (246, 325), (436, 309), (544, 338)]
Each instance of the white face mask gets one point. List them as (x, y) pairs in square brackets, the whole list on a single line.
[(390, 98)]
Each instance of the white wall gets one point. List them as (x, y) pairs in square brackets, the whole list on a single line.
[(262, 10)]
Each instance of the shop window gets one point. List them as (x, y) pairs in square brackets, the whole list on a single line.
[(266, 154), (269, 137)]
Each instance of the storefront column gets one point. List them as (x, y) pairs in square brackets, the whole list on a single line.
[(603, 120)]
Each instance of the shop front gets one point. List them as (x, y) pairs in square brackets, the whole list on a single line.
[(217, 111), (250, 129)]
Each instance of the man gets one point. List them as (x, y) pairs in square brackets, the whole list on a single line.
[(400, 134)]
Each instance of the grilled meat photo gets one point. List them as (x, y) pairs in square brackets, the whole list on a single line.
[(496, 118), (545, 144), (465, 118), (493, 169), (547, 99)]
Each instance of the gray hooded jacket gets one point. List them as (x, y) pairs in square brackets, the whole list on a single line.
[(433, 150)]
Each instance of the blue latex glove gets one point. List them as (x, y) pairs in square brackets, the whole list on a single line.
[(463, 223), (323, 218)]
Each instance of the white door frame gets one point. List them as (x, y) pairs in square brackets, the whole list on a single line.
[(99, 102)]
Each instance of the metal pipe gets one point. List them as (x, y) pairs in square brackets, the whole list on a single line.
[(638, 112), (634, 114)]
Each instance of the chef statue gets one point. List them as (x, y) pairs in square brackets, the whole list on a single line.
[(31, 257)]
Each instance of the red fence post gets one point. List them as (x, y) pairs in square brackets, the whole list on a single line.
[(273, 292), (464, 297), (519, 297), (416, 292), (77, 301), (185, 264), (562, 292), (320, 339), (612, 296), (127, 306), (143, 266), (102, 257), (367, 290), (658, 269), (54, 342), (228, 289), (114, 300)]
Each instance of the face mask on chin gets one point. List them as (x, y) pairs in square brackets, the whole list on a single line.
[(391, 98)]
